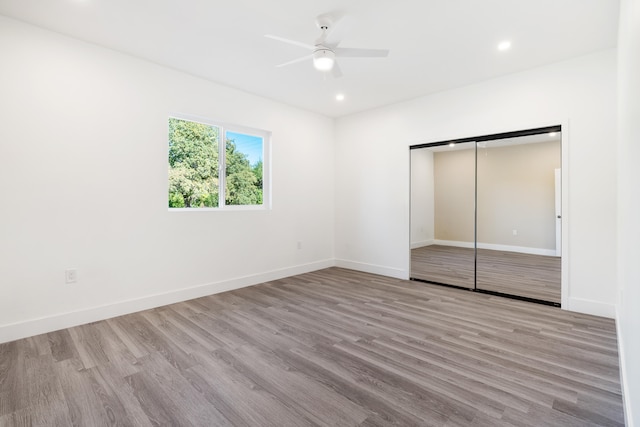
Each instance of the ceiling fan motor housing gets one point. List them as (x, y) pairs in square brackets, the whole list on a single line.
[(324, 22)]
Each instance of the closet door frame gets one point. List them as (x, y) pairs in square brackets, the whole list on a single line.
[(563, 128)]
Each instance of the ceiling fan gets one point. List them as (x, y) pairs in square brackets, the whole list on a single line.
[(325, 50)]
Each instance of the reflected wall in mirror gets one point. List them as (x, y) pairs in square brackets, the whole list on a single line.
[(485, 215)]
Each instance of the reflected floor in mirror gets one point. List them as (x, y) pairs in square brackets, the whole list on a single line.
[(525, 275)]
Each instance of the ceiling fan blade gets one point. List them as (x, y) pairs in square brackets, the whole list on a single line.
[(304, 58), (336, 72), (293, 42), (346, 52)]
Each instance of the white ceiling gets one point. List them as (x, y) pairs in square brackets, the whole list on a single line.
[(435, 44)]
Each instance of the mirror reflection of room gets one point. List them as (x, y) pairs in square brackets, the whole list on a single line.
[(442, 214), (516, 223), (486, 216)]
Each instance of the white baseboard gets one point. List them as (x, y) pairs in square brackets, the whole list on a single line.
[(495, 247), (594, 308), (422, 243), (626, 403), (373, 269), (42, 325)]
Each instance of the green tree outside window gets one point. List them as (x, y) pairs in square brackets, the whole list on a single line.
[(194, 166)]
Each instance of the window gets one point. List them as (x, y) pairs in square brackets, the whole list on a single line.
[(200, 166)]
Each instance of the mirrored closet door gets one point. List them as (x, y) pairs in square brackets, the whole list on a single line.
[(442, 208), (516, 222), (485, 214)]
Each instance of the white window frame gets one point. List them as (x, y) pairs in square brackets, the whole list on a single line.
[(222, 163)]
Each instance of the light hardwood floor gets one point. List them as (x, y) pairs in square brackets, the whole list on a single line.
[(333, 347), (531, 276)]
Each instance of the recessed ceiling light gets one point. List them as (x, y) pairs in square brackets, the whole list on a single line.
[(451, 144), (504, 45), (552, 134), (340, 97)]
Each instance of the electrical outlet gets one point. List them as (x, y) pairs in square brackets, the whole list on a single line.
[(71, 275)]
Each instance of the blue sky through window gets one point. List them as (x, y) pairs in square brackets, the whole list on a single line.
[(249, 145)]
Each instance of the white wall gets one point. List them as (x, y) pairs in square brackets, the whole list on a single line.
[(629, 206), (422, 194), (372, 203), (83, 180)]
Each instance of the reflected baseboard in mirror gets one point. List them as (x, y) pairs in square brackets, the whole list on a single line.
[(535, 277)]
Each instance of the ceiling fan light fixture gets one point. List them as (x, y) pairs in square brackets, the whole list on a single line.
[(325, 50), (323, 59)]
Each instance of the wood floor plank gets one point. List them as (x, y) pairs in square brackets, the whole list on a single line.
[(113, 379), (363, 393), (141, 330), (85, 399), (445, 389), (477, 392), (159, 408), (424, 405), (176, 387), (88, 343), (333, 347), (254, 404), (12, 387), (62, 345), (21, 418), (477, 366), (310, 400)]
